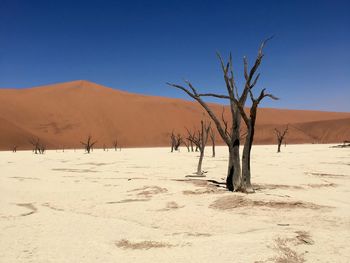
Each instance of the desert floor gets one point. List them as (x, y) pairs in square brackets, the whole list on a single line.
[(136, 205)]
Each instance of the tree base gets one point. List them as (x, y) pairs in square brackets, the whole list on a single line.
[(202, 174), (249, 191)]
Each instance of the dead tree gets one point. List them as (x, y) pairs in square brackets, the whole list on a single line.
[(36, 145), (39, 148), (200, 140), (280, 137), (187, 144), (191, 145), (345, 144), (175, 141), (178, 142), (212, 138), (115, 144), (42, 148), (189, 135), (235, 180), (249, 119), (172, 141), (89, 144)]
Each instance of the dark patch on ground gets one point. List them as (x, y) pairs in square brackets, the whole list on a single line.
[(71, 170), (275, 186), (327, 174), (149, 191), (52, 207), (96, 164), (126, 244), (127, 201), (235, 201), (29, 206), (24, 178), (171, 206)]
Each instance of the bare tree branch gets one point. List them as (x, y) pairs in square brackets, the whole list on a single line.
[(195, 96), (214, 95)]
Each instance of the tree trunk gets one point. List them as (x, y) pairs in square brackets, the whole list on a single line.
[(234, 176), (199, 168), (279, 146), (246, 175), (213, 149), (187, 145)]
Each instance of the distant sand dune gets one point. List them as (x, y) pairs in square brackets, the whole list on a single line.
[(63, 114)]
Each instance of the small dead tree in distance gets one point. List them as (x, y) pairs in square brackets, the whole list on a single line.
[(14, 149), (35, 143), (105, 147), (200, 140), (175, 141), (115, 144), (280, 137), (235, 180), (189, 135), (178, 142), (42, 148), (191, 145), (89, 144), (187, 144), (38, 147)]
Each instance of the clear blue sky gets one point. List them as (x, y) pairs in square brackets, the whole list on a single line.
[(139, 45)]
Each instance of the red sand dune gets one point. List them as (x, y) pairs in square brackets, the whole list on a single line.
[(62, 115)]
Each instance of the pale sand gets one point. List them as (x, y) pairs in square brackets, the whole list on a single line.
[(133, 206)]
